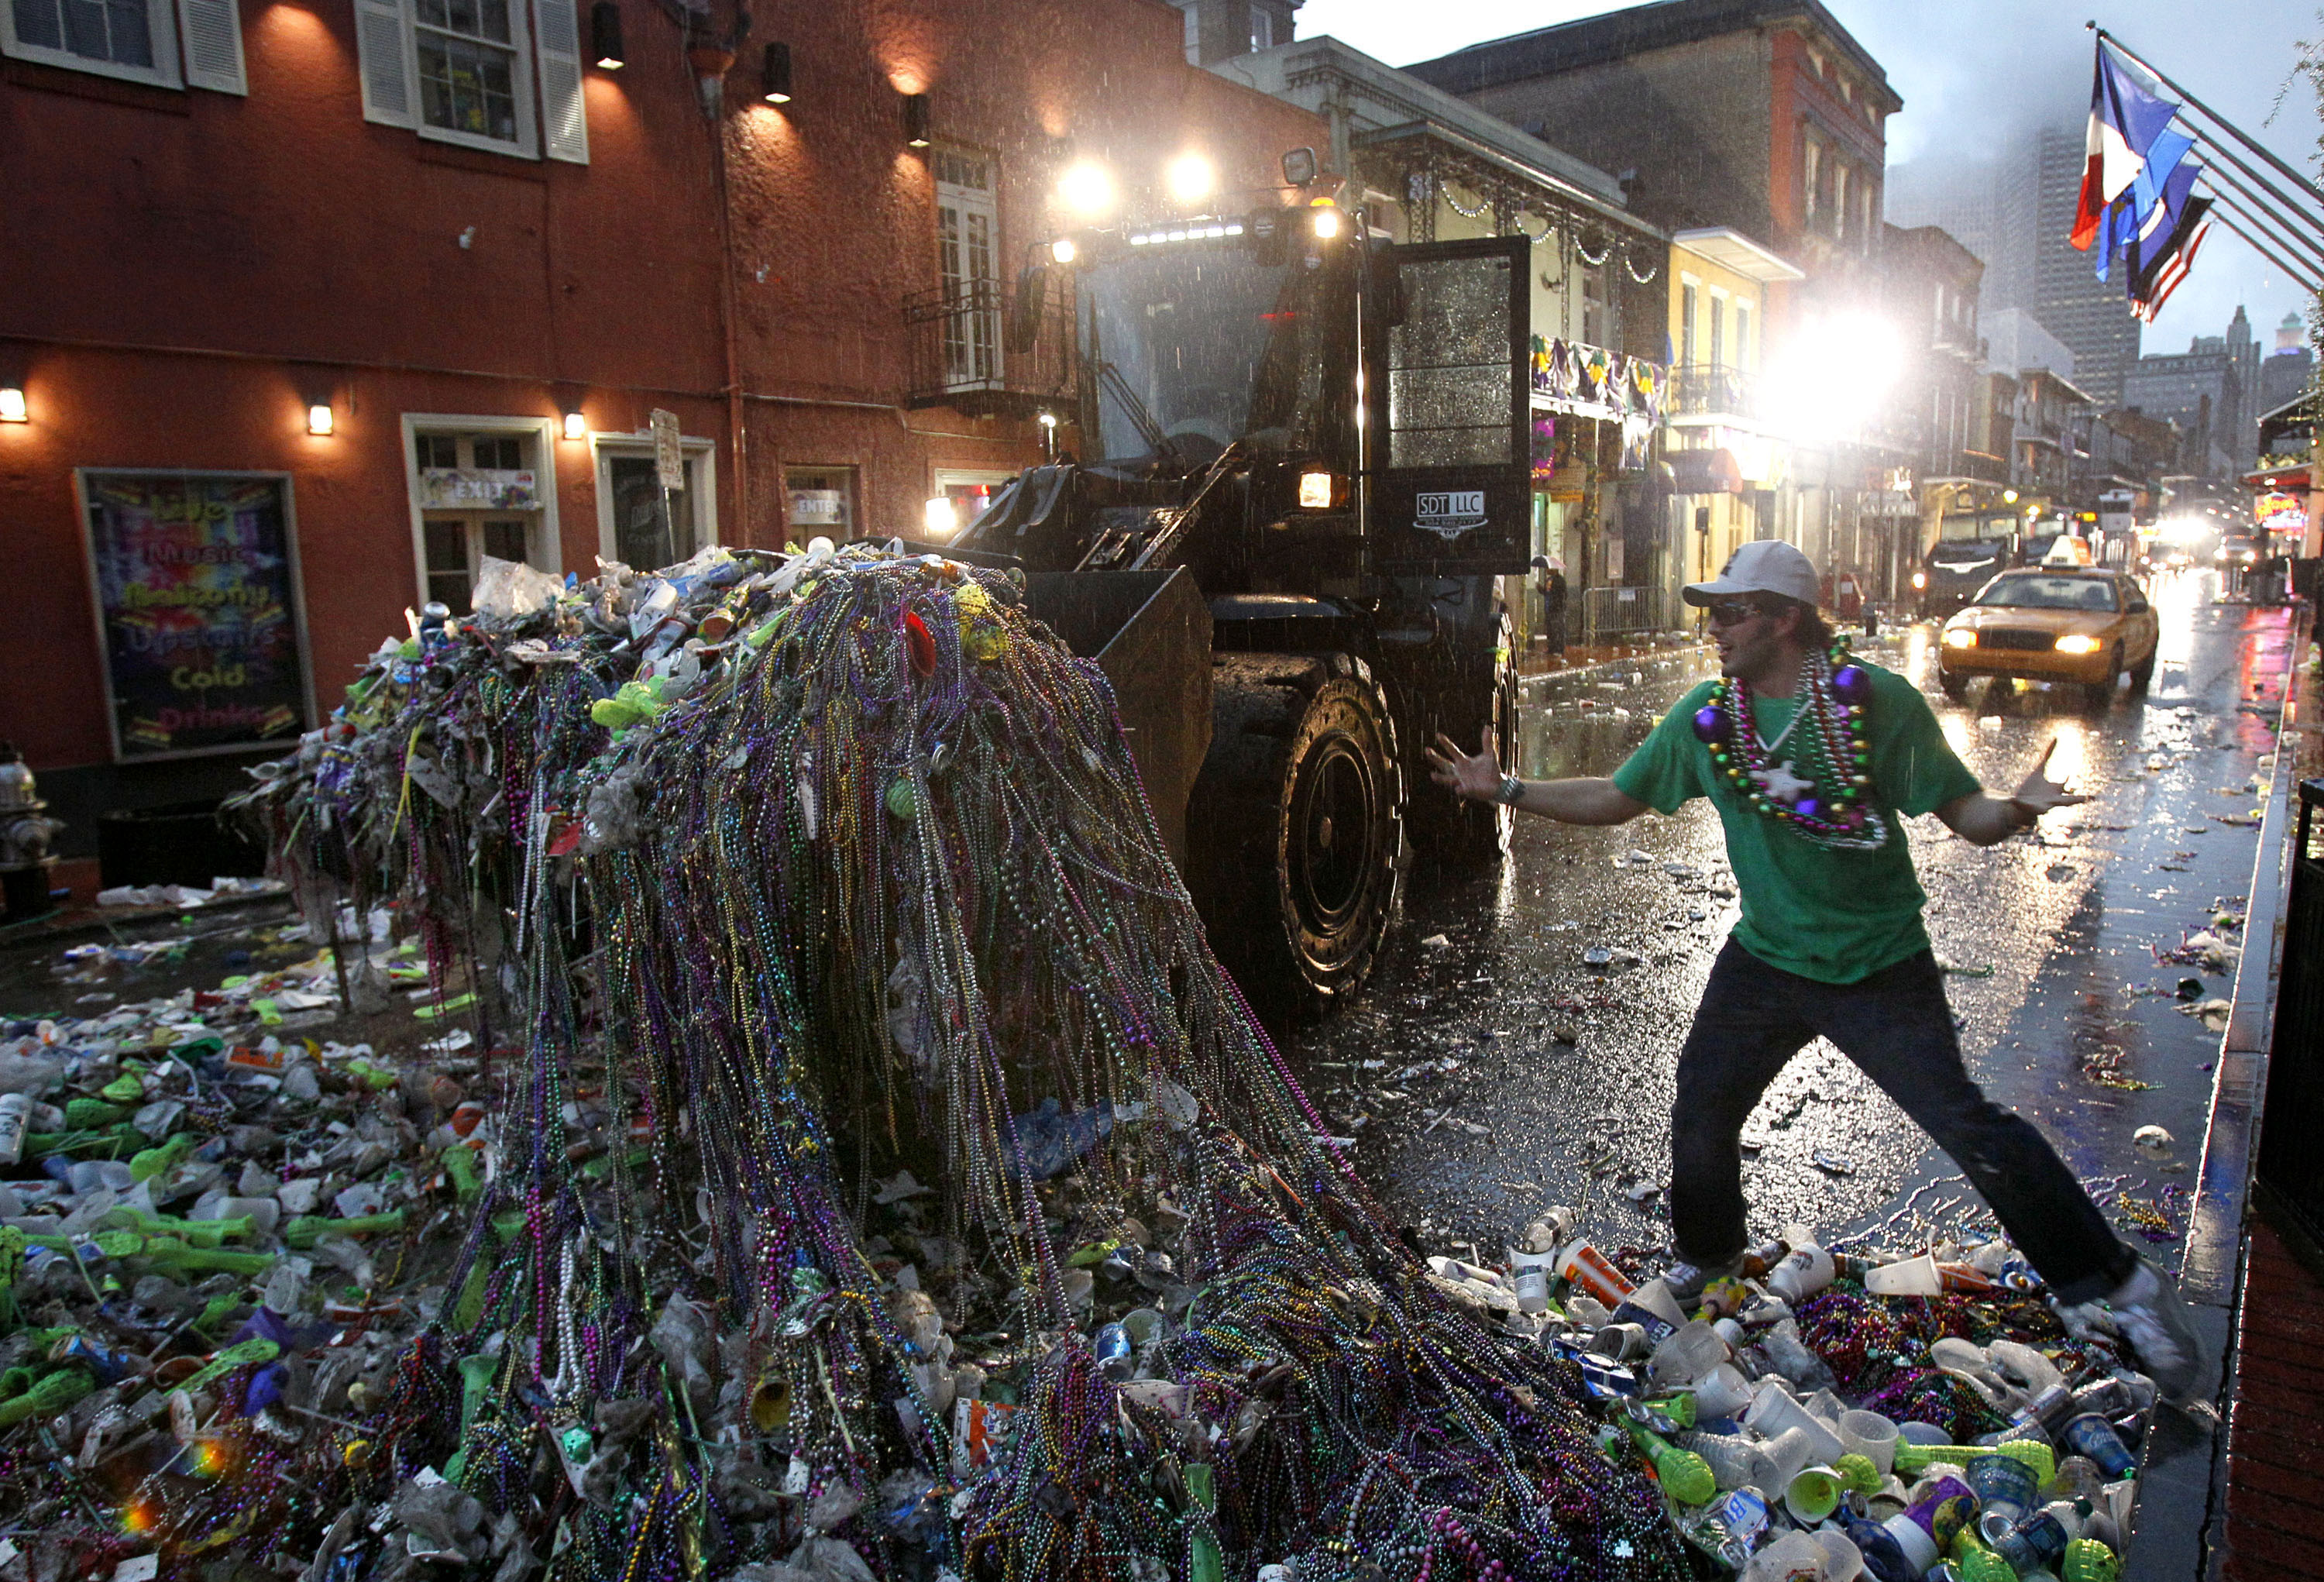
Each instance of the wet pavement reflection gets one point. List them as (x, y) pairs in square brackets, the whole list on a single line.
[(1517, 1047)]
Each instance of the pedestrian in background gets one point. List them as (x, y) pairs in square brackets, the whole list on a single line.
[(1549, 592), (1830, 941)]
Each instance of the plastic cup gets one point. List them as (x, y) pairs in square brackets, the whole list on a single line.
[(1913, 1277), (1773, 1413), (1813, 1494), (1654, 1297), (1842, 1561), (1806, 1272), (1686, 1356), (1721, 1392), (1784, 1459), (1870, 1435)]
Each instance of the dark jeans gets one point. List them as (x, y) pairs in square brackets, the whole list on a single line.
[(1899, 1029)]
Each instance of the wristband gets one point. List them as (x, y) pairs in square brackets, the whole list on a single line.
[(1512, 787)]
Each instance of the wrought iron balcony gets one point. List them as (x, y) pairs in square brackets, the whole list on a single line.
[(1701, 390), (973, 350)]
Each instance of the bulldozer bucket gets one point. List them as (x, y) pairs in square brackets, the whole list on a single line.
[(1150, 632)]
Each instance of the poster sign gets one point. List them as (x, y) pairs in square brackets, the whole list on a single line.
[(197, 587), (669, 461)]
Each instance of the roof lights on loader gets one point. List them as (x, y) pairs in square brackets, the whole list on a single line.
[(1212, 231), (1326, 221), (1064, 250)]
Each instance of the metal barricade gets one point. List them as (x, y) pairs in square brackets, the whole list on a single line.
[(1609, 615), (2291, 1164)]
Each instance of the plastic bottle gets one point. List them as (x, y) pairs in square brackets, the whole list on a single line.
[(1684, 1475)]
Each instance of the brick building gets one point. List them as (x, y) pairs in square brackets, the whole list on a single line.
[(375, 288)]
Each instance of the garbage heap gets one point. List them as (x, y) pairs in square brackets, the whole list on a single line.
[(808, 879), (855, 1164)]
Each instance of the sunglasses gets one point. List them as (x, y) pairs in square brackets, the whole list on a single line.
[(1729, 612)]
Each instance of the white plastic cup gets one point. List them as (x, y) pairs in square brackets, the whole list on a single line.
[(1533, 1290), (1654, 1297), (1871, 1436), (1913, 1277), (1782, 1459), (1799, 1276), (1813, 1494), (1685, 1355), (1842, 1561), (1721, 1392), (1791, 1557), (1773, 1413)]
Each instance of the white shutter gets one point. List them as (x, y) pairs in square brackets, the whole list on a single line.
[(212, 30), (564, 121), (383, 39)]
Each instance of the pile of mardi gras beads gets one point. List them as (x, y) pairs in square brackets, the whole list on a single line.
[(851, 885)]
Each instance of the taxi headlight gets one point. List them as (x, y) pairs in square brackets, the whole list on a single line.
[(1960, 637), (2075, 643)]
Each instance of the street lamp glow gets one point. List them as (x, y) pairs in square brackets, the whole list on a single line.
[(1190, 177), (1086, 189), (940, 517), (12, 404), (1834, 375), (1062, 250)]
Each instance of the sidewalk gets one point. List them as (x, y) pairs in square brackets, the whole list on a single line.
[(2246, 1498)]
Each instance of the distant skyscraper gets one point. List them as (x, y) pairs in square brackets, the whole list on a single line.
[(2213, 391), (2090, 315), (2286, 374), (2015, 214)]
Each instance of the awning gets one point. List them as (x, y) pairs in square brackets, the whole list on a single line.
[(1704, 472)]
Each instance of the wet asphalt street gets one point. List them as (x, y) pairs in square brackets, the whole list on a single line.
[(1470, 1113)]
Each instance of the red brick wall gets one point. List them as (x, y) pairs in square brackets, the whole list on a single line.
[(180, 268)]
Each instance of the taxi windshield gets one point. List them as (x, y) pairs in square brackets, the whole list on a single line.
[(2034, 591)]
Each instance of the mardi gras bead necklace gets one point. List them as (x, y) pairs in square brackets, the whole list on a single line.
[(1824, 796)]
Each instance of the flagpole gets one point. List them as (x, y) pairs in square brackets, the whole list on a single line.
[(2313, 281), (2210, 145), (2285, 233), (2236, 132)]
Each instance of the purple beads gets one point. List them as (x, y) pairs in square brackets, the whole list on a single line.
[(1710, 724), (1853, 683)]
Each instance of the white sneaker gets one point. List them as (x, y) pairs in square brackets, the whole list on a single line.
[(2156, 1322), (1686, 1280)]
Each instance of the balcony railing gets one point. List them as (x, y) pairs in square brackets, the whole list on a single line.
[(1708, 390), (971, 350)]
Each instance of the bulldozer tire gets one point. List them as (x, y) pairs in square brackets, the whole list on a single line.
[(1296, 825), (1455, 834)]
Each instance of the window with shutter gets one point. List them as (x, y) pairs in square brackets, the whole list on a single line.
[(134, 40), (564, 123), (383, 45), (212, 30), (501, 75)]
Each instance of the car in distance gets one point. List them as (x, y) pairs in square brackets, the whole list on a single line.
[(2052, 624), (1953, 571)]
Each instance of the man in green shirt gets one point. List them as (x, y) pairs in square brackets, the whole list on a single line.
[(1813, 764)]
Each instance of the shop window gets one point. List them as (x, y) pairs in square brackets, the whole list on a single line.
[(820, 502), (194, 43), (503, 75), (479, 492), (1743, 335), (1686, 300), (1262, 28)]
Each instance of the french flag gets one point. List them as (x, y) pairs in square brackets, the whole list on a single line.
[(2128, 114)]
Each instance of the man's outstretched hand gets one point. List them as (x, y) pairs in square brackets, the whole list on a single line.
[(2039, 794), (1478, 777)]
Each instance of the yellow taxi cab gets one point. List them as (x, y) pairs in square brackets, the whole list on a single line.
[(2083, 625)]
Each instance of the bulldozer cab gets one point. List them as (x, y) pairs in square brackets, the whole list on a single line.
[(1369, 401), (1448, 476)]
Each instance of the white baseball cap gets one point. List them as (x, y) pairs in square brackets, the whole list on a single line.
[(1761, 566)]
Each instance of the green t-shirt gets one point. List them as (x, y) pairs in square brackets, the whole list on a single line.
[(1830, 914)]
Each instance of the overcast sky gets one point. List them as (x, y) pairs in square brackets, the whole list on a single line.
[(1970, 70)]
